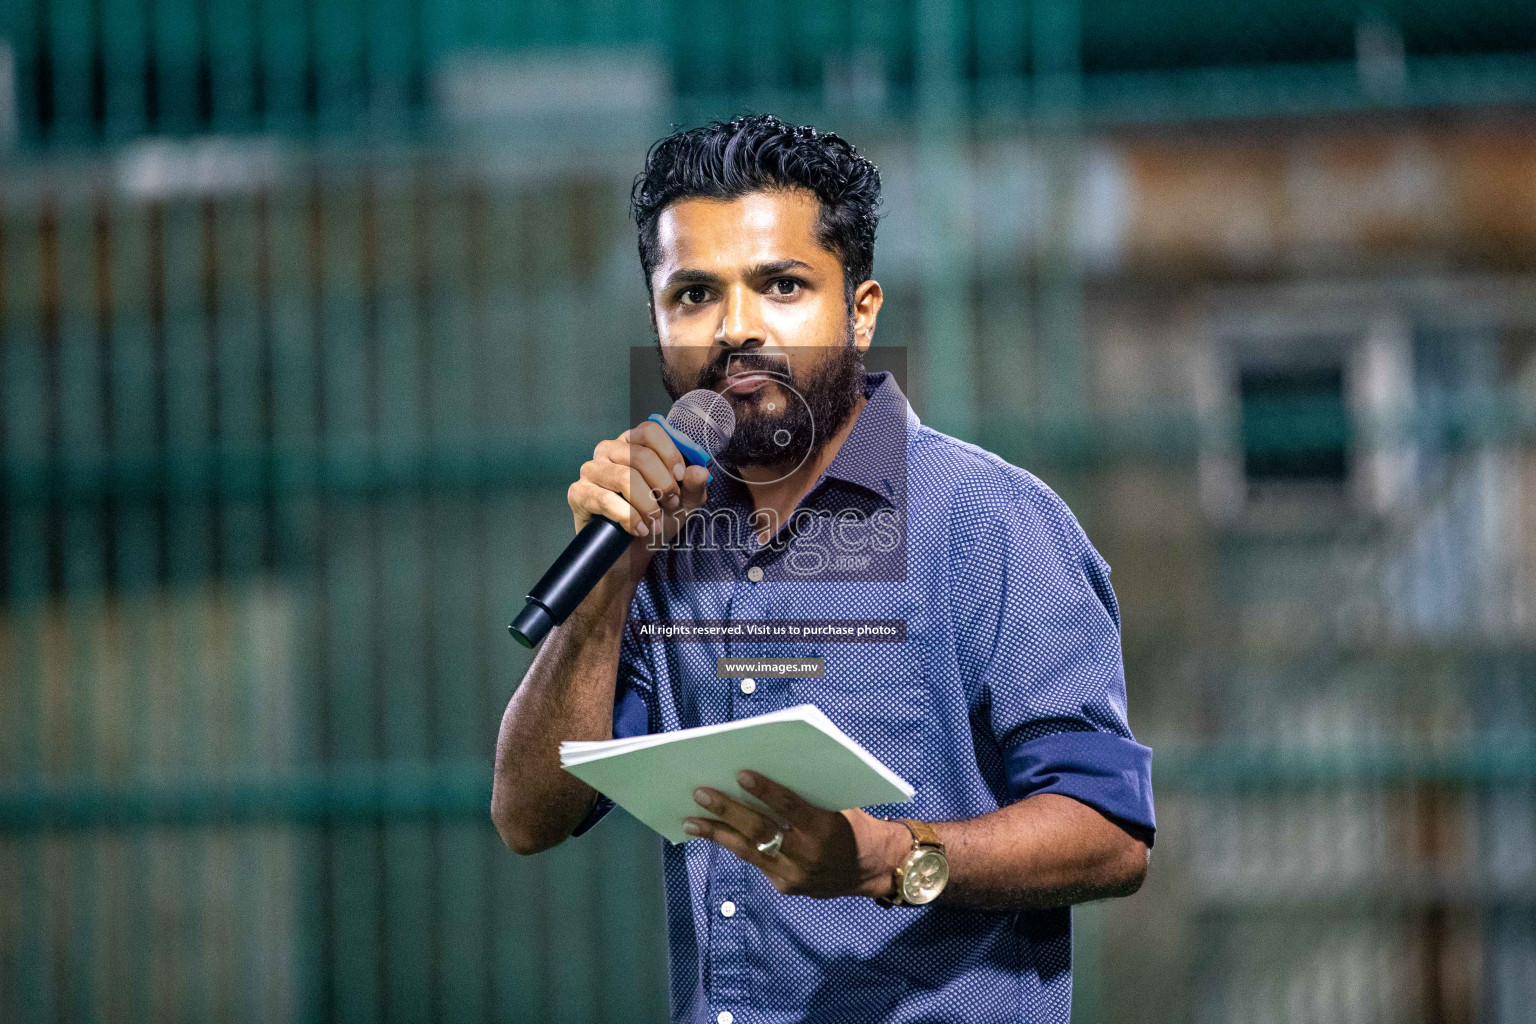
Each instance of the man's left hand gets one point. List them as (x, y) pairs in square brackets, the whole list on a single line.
[(824, 854)]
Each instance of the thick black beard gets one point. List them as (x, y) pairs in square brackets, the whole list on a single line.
[(830, 390)]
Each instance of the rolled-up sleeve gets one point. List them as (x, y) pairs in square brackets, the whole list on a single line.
[(631, 713), (1038, 640)]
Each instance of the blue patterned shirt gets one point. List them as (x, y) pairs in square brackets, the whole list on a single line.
[(1009, 683)]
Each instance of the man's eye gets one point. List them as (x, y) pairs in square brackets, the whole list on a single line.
[(785, 286), (693, 296)]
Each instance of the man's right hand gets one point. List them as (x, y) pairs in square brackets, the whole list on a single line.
[(640, 481)]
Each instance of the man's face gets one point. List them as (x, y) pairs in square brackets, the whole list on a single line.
[(744, 285)]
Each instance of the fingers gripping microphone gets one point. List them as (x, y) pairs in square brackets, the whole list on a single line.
[(699, 424)]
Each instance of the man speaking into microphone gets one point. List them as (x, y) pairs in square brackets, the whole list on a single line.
[(1003, 703)]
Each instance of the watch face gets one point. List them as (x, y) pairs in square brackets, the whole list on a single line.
[(925, 876)]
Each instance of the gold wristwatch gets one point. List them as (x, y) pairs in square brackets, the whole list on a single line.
[(921, 875)]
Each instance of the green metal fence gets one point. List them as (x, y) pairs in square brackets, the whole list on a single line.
[(88, 71), (268, 496), (296, 362)]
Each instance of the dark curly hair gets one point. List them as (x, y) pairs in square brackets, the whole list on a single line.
[(727, 160)]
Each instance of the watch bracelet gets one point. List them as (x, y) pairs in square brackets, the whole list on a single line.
[(922, 835)]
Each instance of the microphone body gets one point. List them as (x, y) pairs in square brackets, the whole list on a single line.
[(571, 578), (699, 424)]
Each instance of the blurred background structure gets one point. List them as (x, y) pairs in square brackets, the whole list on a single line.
[(310, 309)]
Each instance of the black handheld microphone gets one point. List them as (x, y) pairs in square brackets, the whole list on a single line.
[(700, 424)]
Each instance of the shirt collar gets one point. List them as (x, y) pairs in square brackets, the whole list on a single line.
[(874, 454)]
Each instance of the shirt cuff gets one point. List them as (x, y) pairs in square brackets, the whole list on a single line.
[(630, 718), (1109, 773), (601, 807)]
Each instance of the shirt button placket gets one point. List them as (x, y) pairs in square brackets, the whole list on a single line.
[(729, 974)]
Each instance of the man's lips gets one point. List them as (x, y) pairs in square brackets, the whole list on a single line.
[(746, 384)]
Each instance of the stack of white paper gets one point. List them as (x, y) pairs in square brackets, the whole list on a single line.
[(653, 777)]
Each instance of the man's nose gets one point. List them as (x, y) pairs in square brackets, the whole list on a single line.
[(740, 324)]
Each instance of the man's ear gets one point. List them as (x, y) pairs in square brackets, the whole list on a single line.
[(867, 299)]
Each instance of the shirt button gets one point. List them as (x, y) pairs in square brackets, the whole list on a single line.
[(724, 1017), (755, 574), (727, 909), (748, 685)]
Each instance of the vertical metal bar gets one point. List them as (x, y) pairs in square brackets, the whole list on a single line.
[(402, 358), (697, 37), (469, 883), (514, 964), (189, 423), (282, 31), (1058, 97), (237, 361), (340, 61), (390, 43), (1088, 926), (175, 46), (1001, 31), (630, 894), (456, 624), (132, 449), (1002, 309), (80, 603), (763, 47), (232, 58), (290, 235), (125, 49), (242, 596), (944, 209), (520, 948), (111, 748), (457, 272), (574, 935), (52, 703), (537, 407), (270, 984), (505, 387), (521, 913), (70, 26), (606, 23), (433, 36), (876, 40), (26, 446), (544, 24), (10, 702), (817, 25), (19, 25), (353, 639)]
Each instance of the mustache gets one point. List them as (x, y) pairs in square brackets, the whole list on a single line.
[(713, 375)]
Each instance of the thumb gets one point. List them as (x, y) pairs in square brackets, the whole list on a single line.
[(693, 487)]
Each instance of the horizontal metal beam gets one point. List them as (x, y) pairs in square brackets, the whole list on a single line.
[(391, 790), (375, 465), (1246, 769), (462, 790)]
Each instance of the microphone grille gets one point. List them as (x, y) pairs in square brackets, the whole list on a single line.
[(704, 418)]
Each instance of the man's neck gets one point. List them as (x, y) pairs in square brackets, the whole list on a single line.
[(773, 491)]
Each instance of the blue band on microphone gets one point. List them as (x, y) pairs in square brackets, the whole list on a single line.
[(692, 453)]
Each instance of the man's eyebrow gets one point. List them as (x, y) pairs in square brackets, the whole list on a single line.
[(772, 268), (776, 267), (690, 277)]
